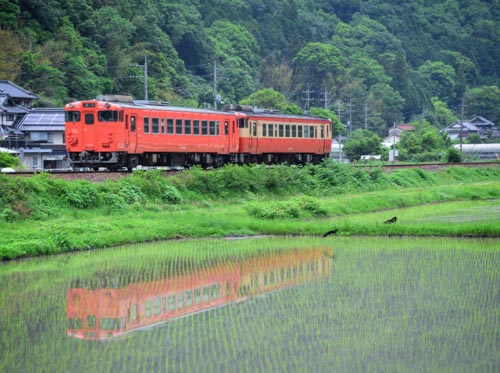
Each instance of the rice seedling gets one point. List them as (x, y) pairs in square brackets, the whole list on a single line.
[(283, 304)]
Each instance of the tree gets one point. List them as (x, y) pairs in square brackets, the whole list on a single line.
[(10, 54), (266, 98), (484, 101), (425, 144), (362, 142), (441, 115), (337, 127), (441, 77), (319, 64)]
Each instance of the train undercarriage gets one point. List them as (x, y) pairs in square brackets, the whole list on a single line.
[(120, 160)]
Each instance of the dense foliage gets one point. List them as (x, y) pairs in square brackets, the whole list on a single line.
[(372, 62)]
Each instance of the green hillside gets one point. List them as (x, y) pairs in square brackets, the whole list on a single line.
[(373, 61)]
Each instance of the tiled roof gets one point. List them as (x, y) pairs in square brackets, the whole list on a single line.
[(14, 91)]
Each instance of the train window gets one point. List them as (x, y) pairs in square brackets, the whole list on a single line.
[(178, 126), (155, 125), (170, 126), (271, 130), (217, 127), (164, 304), (214, 291), (180, 300), (132, 124), (75, 323), (264, 129), (157, 306), (206, 294), (196, 127), (162, 125), (226, 127), (108, 323), (197, 296), (294, 131), (107, 116), (133, 314), (299, 131), (187, 127), (254, 129), (89, 118), (306, 132), (90, 321), (287, 130), (171, 303), (312, 132), (189, 298), (204, 127), (72, 116), (242, 123), (280, 130), (212, 128), (146, 125), (148, 308), (322, 133)]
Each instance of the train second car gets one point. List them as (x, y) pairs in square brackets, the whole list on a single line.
[(116, 132)]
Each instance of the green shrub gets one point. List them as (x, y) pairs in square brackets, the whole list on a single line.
[(452, 155), (171, 195), (81, 194)]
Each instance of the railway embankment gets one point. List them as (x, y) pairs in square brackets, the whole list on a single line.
[(44, 214)]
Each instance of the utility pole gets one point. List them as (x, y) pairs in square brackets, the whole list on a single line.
[(215, 85), (307, 99), (350, 115), (325, 98), (366, 116), (144, 78), (462, 122)]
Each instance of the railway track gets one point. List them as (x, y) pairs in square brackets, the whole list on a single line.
[(97, 176)]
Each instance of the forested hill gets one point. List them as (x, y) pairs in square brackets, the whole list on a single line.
[(384, 60)]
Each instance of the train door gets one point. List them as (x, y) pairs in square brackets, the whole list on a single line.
[(131, 132), (89, 131)]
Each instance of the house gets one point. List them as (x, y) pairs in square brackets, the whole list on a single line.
[(477, 125), (15, 102), (36, 136), (395, 134), (43, 130)]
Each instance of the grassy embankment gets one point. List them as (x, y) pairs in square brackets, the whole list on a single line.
[(44, 215)]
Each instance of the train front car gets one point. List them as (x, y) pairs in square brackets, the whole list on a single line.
[(95, 133), (267, 137)]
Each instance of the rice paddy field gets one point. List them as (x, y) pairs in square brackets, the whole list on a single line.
[(257, 304)]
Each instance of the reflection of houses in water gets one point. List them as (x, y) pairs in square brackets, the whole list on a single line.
[(101, 313)]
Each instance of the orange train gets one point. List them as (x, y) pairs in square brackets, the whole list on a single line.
[(116, 131), (103, 313)]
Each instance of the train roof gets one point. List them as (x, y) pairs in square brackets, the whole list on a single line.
[(242, 110)]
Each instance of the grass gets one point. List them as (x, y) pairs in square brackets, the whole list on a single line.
[(463, 210)]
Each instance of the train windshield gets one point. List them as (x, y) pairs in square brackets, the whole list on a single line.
[(108, 115), (72, 116)]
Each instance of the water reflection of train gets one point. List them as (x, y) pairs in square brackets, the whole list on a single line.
[(101, 313)]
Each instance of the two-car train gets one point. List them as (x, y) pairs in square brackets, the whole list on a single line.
[(112, 309), (116, 131)]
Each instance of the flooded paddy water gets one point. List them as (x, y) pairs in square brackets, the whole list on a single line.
[(258, 304)]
